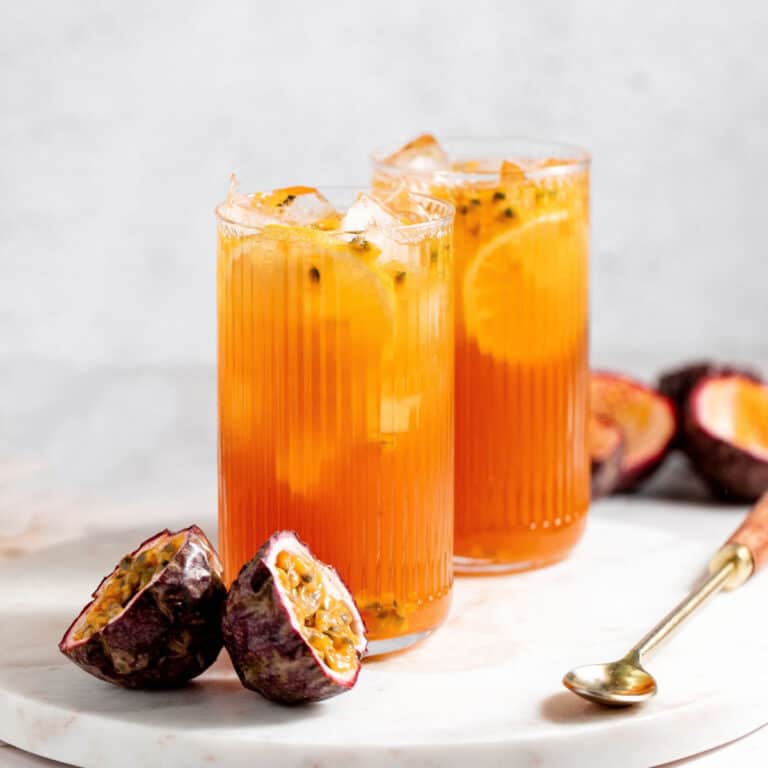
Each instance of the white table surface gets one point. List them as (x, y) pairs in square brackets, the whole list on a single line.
[(83, 451)]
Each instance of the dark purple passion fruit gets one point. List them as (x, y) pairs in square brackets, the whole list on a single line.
[(726, 435), (647, 419), (678, 383), (291, 627), (155, 621)]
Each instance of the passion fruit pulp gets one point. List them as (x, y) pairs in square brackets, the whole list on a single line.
[(291, 627), (155, 621), (725, 434), (647, 419)]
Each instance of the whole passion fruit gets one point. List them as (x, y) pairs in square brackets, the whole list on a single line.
[(291, 627), (726, 435), (647, 419), (155, 621)]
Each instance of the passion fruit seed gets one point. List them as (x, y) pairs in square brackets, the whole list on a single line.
[(360, 244), (388, 614), (327, 621), (131, 576)]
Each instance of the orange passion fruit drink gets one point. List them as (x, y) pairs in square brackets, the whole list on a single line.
[(521, 245), (335, 360)]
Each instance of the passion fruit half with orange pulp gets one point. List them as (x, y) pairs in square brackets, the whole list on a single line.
[(155, 620), (291, 627)]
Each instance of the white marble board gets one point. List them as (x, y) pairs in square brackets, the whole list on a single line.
[(484, 690)]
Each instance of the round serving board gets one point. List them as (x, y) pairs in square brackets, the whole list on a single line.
[(483, 691)]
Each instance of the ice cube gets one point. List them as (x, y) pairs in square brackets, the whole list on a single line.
[(395, 413), (304, 206), (421, 155), (368, 212), (237, 208)]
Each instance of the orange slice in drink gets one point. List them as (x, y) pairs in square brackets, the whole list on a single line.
[(342, 282), (524, 293)]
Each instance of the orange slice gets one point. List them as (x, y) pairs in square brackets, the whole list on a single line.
[(525, 293), (342, 282)]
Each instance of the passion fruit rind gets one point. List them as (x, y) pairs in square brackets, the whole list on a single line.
[(606, 455), (266, 639), (168, 631), (732, 472), (647, 419), (678, 383)]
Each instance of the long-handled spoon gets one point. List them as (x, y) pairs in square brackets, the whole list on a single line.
[(624, 682)]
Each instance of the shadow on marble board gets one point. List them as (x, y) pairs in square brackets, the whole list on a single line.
[(676, 482), (34, 667), (566, 708)]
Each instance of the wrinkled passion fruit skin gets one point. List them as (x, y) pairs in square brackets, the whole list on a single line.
[(268, 652), (732, 473), (171, 630)]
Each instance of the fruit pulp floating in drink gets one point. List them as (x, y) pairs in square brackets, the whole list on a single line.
[(335, 348), (521, 243)]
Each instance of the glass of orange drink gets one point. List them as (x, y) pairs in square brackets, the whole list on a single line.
[(335, 378), (521, 248)]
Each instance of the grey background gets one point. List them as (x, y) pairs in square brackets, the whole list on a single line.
[(121, 122), (119, 126)]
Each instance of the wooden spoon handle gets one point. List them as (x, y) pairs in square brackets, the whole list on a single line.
[(753, 533)]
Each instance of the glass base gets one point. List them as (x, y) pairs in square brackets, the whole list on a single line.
[(395, 644), (470, 566)]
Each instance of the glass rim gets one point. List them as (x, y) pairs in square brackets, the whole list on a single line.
[(444, 215), (575, 158)]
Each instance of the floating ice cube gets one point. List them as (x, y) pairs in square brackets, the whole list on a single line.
[(376, 221), (237, 208), (367, 212), (395, 415), (304, 206), (421, 155)]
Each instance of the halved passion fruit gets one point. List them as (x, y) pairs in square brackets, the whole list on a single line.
[(606, 449), (678, 383), (291, 627), (155, 621), (726, 435), (647, 420)]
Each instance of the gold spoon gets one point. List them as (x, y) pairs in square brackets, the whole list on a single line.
[(624, 682)]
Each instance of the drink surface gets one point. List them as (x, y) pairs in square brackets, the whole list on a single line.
[(336, 396), (521, 264)]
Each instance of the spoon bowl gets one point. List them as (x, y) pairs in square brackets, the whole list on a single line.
[(615, 684)]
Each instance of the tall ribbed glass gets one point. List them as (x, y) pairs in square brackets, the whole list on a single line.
[(521, 245), (335, 366)]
